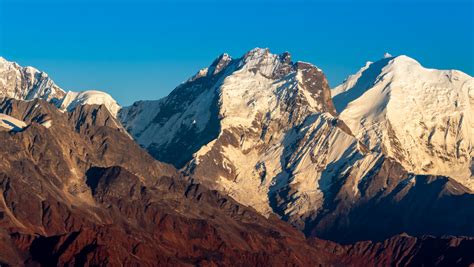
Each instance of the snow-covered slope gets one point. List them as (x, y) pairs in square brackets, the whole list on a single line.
[(260, 128), (27, 83), (421, 117), (350, 82), (91, 97)]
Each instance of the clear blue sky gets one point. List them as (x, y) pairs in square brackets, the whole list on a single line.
[(142, 49)]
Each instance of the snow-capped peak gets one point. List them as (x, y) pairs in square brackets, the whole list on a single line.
[(257, 52), (90, 97), (421, 117), (27, 83), (387, 55), (235, 123), (403, 60), (261, 60), (237, 91)]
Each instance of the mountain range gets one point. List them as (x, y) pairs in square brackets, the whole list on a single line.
[(252, 161)]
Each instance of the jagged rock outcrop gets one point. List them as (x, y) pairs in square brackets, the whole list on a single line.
[(404, 250)]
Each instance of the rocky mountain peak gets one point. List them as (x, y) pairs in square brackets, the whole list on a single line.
[(260, 54), (285, 57), (260, 87), (219, 64), (261, 60)]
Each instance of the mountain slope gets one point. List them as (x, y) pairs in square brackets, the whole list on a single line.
[(421, 117), (404, 250), (82, 193), (390, 201)]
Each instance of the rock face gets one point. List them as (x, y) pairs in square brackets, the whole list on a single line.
[(404, 250), (391, 201), (264, 130), (420, 117)]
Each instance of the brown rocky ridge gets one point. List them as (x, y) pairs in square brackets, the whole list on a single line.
[(81, 192)]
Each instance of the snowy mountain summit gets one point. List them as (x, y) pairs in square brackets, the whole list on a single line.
[(252, 127), (91, 97), (230, 92), (421, 117), (28, 83)]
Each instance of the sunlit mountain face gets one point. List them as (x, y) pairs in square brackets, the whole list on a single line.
[(254, 160)]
